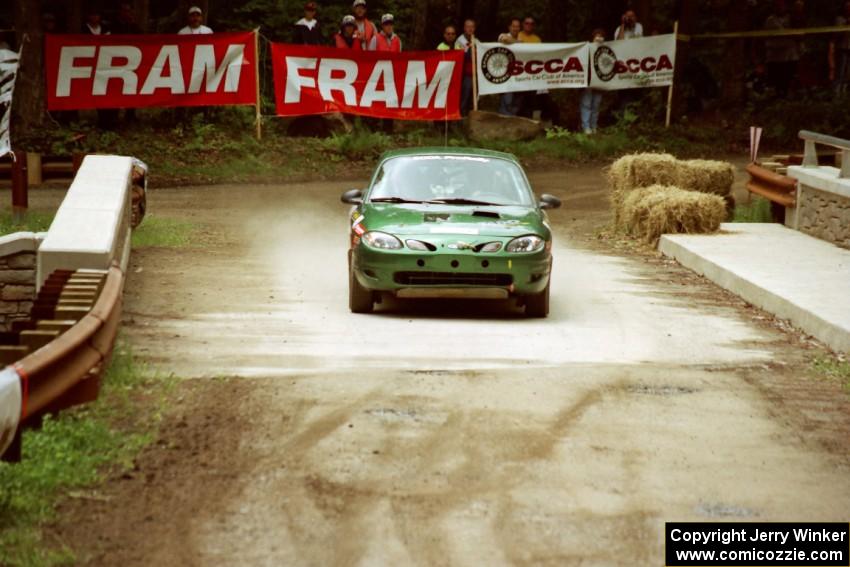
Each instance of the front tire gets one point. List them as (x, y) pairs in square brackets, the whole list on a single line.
[(360, 299), (537, 305)]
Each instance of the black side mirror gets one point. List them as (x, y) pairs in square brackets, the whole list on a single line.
[(352, 197), (549, 202)]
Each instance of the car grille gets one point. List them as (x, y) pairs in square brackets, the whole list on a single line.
[(452, 278)]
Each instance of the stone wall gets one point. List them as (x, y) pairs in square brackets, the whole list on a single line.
[(824, 215), (17, 276)]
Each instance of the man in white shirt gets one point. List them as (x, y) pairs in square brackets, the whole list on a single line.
[(196, 23), (629, 26)]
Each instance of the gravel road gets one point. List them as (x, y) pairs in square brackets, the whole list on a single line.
[(444, 433)]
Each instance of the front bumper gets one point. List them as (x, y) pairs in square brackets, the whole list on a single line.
[(458, 273)]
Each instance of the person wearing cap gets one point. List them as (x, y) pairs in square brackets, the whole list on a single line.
[(386, 39), (347, 36), (307, 29), (365, 29), (195, 25)]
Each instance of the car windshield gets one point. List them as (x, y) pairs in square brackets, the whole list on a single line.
[(451, 179)]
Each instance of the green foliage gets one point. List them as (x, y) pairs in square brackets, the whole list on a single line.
[(360, 144), (71, 452), (758, 210), (835, 368), (31, 221), (158, 231)]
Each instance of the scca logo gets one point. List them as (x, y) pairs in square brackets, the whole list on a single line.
[(535, 67), (607, 65), (500, 64)]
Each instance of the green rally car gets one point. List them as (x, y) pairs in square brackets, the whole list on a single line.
[(457, 223)]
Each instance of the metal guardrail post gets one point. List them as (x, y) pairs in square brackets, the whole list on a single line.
[(810, 157)]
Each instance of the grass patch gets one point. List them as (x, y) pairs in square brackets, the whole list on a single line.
[(224, 150), (31, 221), (834, 368), (758, 210), (162, 232), (73, 451)]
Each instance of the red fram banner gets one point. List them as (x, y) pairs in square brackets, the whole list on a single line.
[(417, 85), (131, 71)]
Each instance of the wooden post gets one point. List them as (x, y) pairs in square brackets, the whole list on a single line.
[(670, 89), (474, 74), (20, 199), (259, 105), (34, 175)]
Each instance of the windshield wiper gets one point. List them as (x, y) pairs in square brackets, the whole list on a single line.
[(461, 201), (392, 200)]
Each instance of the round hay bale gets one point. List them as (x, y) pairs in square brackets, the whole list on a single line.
[(705, 176), (652, 211)]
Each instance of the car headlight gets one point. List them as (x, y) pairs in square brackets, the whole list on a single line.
[(381, 240), (525, 244)]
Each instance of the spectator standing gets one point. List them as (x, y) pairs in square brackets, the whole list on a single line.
[(782, 53), (512, 35), (839, 55), (449, 39), (386, 39), (307, 29), (195, 23), (466, 42), (591, 99), (347, 36), (365, 29), (94, 24), (507, 102), (629, 27), (527, 35)]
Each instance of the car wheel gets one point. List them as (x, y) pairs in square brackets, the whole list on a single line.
[(360, 299), (537, 305)]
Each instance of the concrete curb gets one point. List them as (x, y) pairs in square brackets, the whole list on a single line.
[(824, 323)]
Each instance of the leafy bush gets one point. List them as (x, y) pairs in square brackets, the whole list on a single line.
[(358, 145)]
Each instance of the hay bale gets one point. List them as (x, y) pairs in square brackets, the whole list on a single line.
[(652, 211), (705, 176), (639, 170), (642, 170)]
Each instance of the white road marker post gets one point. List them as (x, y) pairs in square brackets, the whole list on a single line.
[(672, 81)]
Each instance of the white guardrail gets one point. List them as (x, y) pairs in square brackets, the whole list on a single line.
[(91, 230)]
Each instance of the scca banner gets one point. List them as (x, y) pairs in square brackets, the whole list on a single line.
[(530, 66), (407, 86), (633, 63), (130, 71)]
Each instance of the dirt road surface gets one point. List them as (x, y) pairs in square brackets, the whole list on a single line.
[(443, 433)]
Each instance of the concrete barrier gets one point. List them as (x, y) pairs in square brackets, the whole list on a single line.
[(823, 204), (17, 276), (782, 271), (92, 225)]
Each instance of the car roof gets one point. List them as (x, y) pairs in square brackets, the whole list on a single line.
[(454, 151)]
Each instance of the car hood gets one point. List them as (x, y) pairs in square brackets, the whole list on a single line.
[(438, 219)]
